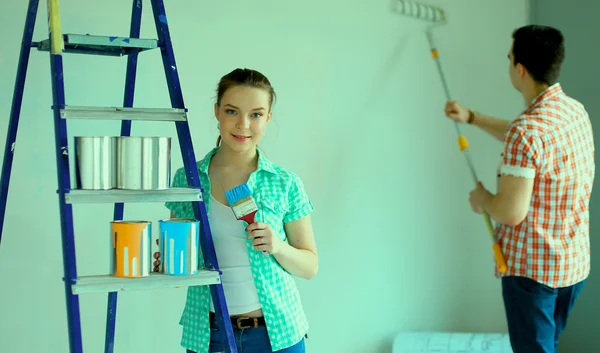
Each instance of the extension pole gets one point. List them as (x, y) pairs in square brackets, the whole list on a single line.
[(437, 16)]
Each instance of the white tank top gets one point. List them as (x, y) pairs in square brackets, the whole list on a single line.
[(232, 254)]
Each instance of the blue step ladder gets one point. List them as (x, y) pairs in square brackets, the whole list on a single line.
[(58, 44)]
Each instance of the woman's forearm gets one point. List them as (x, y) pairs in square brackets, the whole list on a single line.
[(298, 262)]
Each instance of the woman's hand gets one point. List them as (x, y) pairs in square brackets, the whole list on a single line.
[(263, 238), (297, 255)]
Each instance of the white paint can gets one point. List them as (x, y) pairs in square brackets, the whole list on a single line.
[(143, 162), (95, 162)]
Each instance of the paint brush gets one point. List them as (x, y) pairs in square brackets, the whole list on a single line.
[(242, 203)]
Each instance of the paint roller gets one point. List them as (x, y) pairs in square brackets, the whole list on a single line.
[(421, 11), (436, 16)]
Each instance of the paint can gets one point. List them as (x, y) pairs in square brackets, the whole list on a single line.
[(131, 248), (143, 162), (179, 243), (95, 162)]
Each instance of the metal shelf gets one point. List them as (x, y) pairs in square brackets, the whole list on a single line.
[(133, 196), (101, 45), (120, 113), (108, 283)]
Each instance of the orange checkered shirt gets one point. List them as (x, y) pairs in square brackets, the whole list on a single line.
[(552, 142)]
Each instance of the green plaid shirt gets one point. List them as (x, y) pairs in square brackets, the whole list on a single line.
[(281, 198)]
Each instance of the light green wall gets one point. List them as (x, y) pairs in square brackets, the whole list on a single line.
[(579, 78), (359, 118)]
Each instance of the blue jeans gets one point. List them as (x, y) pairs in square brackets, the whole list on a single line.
[(536, 314), (252, 340)]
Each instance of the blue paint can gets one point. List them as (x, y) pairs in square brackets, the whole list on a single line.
[(179, 243)]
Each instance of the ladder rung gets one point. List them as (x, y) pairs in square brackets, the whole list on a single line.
[(116, 195), (120, 113), (108, 283), (101, 45)]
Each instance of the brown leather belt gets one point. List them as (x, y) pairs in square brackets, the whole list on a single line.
[(241, 322)]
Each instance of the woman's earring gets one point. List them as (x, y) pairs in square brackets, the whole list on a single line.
[(218, 126)]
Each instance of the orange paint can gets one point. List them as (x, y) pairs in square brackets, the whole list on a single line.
[(131, 248)]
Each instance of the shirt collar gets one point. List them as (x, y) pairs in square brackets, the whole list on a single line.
[(263, 162), (546, 94)]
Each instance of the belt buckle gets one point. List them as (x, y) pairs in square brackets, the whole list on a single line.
[(239, 323)]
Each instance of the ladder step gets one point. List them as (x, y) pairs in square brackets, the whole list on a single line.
[(101, 45), (130, 196), (120, 113), (108, 283)]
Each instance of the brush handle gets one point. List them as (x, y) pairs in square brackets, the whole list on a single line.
[(420, 11), (249, 218)]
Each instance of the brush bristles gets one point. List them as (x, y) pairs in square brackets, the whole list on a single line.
[(420, 11), (238, 193)]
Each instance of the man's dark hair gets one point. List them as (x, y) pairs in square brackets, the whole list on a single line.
[(541, 50)]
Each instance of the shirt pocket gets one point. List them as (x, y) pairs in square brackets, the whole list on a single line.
[(272, 211)]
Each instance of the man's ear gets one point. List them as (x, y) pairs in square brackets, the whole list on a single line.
[(522, 70)]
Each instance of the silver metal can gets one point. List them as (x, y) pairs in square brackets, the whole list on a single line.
[(143, 162), (95, 162)]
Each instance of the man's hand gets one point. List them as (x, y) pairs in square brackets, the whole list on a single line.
[(457, 112), (478, 197)]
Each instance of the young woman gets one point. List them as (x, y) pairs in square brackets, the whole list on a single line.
[(262, 298)]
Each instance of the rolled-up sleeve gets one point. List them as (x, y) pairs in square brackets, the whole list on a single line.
[(521, 151), (300, 204)]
